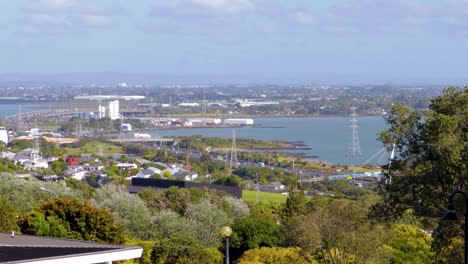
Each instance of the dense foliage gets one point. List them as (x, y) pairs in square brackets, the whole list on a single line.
[(73, 219), (432, 159)]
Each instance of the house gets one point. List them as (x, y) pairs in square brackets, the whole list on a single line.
[(25, 155), (128, 166), (185, 175), (146, 173), (273, 187), (38, 250), (72, 160), (76, 172), (7, 155), (36, 164), (93, 167)]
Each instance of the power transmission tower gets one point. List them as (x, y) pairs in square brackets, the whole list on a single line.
[(204, 108), (355, 146), (78, 131), (20, 112), (170, 105), (233, 161)]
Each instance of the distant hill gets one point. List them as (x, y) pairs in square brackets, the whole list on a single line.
[(116, 77)]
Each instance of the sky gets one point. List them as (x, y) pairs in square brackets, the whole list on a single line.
[(323, 41)]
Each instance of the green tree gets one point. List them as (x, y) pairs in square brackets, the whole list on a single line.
[(208, 219), (409, 245), (7, 215), (432, 158), (40, 225), (130, 212), (251, 232), (81, 220), (232, 180), (184, 250), (276, 255), (58, 167), (296, 204), (338, 232)]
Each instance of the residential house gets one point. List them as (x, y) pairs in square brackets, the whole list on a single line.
[(185, 175), (146, 173), (273, 187), (128, 166), (76, 172)]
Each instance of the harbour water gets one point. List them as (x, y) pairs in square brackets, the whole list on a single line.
[(7, 109), (329, 138)]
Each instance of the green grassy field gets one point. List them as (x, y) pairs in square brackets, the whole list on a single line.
[(93, 147), (266, 197)]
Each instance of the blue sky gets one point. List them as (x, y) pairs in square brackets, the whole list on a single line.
[(334, 41)]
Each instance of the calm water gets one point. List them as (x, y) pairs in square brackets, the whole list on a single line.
[(7, 109), (329, 137)]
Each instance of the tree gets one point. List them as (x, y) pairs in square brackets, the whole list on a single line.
[(7, 215), (296, 204), (432, 154), (40, 225), (81, 220), (432, 158), (184, 250), (58, 167), (408, 244), (130, 212), (251, 232), (209, 220), (338, 232), (232, 180), (275, 255)]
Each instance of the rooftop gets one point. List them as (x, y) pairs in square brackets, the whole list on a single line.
[(36, 249)]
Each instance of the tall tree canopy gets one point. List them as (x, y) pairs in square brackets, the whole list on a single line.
[(73, 219), (432, 155), (431, 161)]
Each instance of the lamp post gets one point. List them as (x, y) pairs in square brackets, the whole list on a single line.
[(47, 190), (451, 215), (226, 233), (256, 187)]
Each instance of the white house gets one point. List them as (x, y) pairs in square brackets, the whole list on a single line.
[(4, 135), (36, 164), (146, 173), (130, 166)]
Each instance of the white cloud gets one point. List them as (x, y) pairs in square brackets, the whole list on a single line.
[(201, 8), (63, 16), (65, 6), (94, 20), (374, 16), (225, 6)]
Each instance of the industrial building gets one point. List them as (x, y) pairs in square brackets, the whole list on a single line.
[(4, 135), (239, 121), (114, 110)]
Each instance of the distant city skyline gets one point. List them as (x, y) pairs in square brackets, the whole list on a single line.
[(255, 41)]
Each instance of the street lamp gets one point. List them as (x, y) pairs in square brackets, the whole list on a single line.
[(256, 186), (451, 215), (226, 232), (47, 190)]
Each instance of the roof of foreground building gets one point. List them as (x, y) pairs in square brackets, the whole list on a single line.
[(41, 250)]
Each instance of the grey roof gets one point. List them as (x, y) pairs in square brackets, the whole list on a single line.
[(34, 241), (26, 248)]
